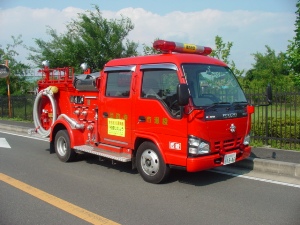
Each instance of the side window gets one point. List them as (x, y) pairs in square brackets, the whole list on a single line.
[(161, 85), (118, 84), (151, 87)]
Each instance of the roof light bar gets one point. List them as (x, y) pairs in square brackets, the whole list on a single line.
[(171, 46)]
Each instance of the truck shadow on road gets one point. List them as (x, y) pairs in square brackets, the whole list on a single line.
[(202, 178), (107, 163)]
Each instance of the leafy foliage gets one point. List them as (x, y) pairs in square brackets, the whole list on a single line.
[(222, 52), (149, 50), (91, 39), (18, 70), (267, 68), (293, 50), (279, 128)]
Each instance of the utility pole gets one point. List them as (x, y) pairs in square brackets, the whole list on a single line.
[(8, 91)]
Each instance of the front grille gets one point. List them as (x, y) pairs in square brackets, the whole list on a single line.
[(227, 144)]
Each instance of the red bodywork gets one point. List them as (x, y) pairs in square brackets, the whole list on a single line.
[(143, 119)]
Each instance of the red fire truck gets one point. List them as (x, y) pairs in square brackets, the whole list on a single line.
[(179, 109)]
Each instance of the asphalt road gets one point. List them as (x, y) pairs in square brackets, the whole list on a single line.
[(118, 194)]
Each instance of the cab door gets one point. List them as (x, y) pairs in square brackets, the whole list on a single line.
[(115, 111), (157, 116)]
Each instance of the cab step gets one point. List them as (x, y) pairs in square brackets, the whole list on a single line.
[(122, 157)]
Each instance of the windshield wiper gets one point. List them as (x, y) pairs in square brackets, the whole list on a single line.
[(216, 104), (239, 104)]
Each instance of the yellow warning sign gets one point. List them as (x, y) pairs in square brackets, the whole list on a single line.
[(190, 47), (116, 127)]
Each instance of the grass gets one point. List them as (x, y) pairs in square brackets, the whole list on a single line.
[(274, 144), (18, 119)]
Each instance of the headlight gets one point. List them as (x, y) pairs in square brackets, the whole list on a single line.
[(247, 140), (198, 146)]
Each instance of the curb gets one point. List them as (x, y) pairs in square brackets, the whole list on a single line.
[(270, 166), (15, 128)]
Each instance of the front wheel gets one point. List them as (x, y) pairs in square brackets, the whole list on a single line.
[(150, 163), (62, 147)]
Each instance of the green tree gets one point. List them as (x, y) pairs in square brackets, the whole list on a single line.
[(149, 50), (267, 68), (18, 83), (90, 38), (293, 50), (222, 52)]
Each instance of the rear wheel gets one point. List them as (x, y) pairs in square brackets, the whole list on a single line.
[(150, 163), (62, 147)]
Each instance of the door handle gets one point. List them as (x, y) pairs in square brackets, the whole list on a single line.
[(142, 119), (105, 114)]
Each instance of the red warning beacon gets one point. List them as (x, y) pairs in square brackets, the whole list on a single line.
[(171, 46)]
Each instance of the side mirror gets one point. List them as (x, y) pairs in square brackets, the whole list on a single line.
[(96, 82), (269, 94), (183, 94)]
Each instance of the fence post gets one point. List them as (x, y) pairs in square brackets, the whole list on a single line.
[(267, 127), (1, 107), (25, 105), (11, 105)]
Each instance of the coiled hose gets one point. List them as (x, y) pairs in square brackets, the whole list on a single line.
[(37, 108)]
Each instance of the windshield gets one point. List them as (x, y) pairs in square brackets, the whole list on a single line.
[(212, 85)]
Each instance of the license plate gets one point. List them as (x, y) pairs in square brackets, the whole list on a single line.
[(229, 158)]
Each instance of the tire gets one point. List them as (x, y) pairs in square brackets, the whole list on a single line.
[(150, 164), (62, 147)]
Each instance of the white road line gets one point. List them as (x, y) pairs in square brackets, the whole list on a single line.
[(26, 136), (4, 143), (256, 178)]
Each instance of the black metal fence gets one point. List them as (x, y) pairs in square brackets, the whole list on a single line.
[(21, 107), (276, 125)]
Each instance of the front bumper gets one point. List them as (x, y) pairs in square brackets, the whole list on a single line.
[(215, 160)]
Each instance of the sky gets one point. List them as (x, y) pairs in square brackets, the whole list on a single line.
[(249, 24)]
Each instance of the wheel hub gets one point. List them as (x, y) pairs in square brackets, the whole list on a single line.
[(150, 162), (61, 146)]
